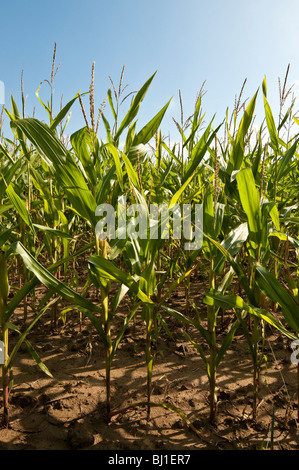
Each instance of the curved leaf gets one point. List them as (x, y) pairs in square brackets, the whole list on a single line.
[(213, 297), (278, 294), (50, 281)]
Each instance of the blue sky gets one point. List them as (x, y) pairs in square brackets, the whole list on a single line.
[(221, 42)]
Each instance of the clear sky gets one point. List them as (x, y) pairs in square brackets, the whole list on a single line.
[(187, 42)]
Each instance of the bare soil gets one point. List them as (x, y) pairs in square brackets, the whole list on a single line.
[(69, 412)]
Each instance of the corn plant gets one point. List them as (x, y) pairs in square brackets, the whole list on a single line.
[(83, 193), (259, 250), (50, 191)]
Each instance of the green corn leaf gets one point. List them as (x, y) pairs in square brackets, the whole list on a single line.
[(110, 101), (44, 139), (264, 86), (37, 359), (121, 332), (286, 159), (251, 204), (115, 301), (6, 153), (130, 170), (227, 341), (19, 205), (237, 153), (4, 285), (5, 235), (219, 216), (270, 122), (63, 112), (285, 237), (188, 321), (176, 283), (213, 297), (159, 149), (278, 294), (171, 153), (166, 173), (195, 125), (179, 192), (81, 141), (53, 231), (5, 208), (257, 155), (108, 128), (20, 136), (149, 130), (274, 214), (9, 173), (60, 161), (284, 119), (199, 349), (51, 282), (21, 294), (105, 187), (232, 243), (236, 267), (200, 150), (208, 212), (46, 107), (108, 270), (131, 114), (130, 137), (23, 334), (117, 163)]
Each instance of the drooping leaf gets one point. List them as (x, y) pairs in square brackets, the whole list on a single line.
[(213, 297), (61, 163), (107, 269), (278, 294), (50, 281)]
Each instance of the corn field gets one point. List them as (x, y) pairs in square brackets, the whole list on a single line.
[(57, 271)]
